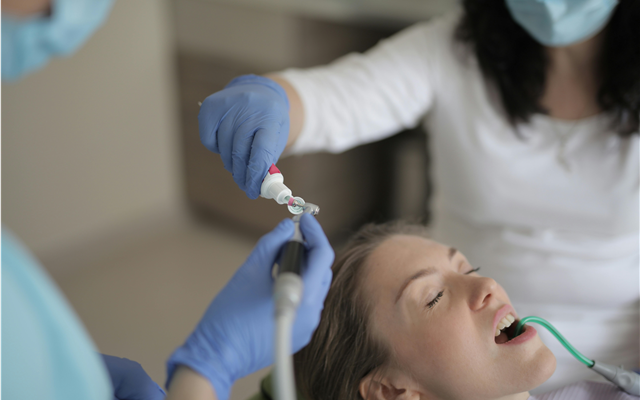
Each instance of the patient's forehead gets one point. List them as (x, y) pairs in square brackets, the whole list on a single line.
[(399, 257), (403, 251)]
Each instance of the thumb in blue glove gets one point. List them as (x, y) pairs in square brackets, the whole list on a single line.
[(130, 381), (247, 123), (235, 336)]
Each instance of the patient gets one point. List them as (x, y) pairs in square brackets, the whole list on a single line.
[(409, 318)]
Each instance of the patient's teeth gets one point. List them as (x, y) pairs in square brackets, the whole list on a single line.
[(504, 323)]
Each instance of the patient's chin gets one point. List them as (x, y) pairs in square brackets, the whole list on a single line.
[(532, 370), (541, 367), (551, 363)]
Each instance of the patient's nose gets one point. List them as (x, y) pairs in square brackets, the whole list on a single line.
[(482, 292)]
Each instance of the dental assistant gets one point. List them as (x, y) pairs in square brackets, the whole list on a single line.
[(532, 109), (46, 352)]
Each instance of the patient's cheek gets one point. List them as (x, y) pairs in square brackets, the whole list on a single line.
[(429, 348)]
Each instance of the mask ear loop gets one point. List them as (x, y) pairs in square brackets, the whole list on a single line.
[(626, 380)]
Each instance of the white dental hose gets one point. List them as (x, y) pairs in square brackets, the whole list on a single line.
[(287, 295)]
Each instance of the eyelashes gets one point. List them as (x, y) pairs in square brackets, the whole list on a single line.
[(472, 271), (441, 293), (434, 301)]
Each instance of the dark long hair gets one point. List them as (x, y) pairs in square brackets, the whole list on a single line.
[(511, 59), (343, 350)]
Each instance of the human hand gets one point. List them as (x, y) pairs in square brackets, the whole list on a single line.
[(236, 334), (247, 123), (130, 381)]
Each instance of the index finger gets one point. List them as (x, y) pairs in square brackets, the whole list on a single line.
[(320, 254)]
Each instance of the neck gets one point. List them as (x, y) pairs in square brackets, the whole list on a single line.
[(572, 79), (577, 58)]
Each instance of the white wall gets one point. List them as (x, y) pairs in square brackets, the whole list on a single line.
[(90, 143)]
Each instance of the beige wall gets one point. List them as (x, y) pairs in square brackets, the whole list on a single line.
[(241, 34), (89, 143)]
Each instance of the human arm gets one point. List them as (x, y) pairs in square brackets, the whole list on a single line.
[(365, 97), (187, 384), (357, 99), (235, 336)]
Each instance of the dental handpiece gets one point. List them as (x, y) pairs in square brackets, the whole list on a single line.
[(287, 296), (293, 252)]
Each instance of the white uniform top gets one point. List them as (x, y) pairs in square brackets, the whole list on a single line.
[(562, 240)]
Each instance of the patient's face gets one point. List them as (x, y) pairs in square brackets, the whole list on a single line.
[(442, 326)]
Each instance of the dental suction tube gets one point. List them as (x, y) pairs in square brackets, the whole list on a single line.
[(626, 380), (287, 297)]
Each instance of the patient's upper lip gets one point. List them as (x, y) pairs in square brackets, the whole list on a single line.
[(501, 313)]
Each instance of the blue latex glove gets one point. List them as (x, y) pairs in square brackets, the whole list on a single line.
[(247, 123), (235, 337), (130, 381)]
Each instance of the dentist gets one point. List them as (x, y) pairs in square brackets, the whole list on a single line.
[(532, 108)]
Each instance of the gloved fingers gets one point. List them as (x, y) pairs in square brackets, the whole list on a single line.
[(241, 150), (225, 136), (209, 119), (130, 381), (115, 366), (264, 152), (149, 391), (268, 248), (320, 256)]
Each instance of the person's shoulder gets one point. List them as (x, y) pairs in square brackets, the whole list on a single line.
[(437, 37), (586, 390)]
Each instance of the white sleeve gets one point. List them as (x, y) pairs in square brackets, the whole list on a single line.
[(361, 98)]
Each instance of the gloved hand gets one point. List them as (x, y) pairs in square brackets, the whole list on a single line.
[(130, 381), (235, 337), (247, 123)]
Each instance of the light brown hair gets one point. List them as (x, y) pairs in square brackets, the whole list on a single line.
[(343, 350)]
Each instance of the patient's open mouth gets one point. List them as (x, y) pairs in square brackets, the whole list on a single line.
[(506, 329)]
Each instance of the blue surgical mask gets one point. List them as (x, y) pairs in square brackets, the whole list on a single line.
[(29, 43), (558, 23)]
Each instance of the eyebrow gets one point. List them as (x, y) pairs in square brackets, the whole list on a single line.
[(452, 253), (419, 274)]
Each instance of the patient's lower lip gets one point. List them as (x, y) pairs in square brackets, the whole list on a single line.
[(528, 334)]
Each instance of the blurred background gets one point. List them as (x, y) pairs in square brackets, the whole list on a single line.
[(105, 180)]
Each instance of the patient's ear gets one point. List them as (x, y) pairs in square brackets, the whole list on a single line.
[(388, 386)]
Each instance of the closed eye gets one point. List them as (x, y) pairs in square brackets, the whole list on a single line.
[(434, 301), (441, 293)]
